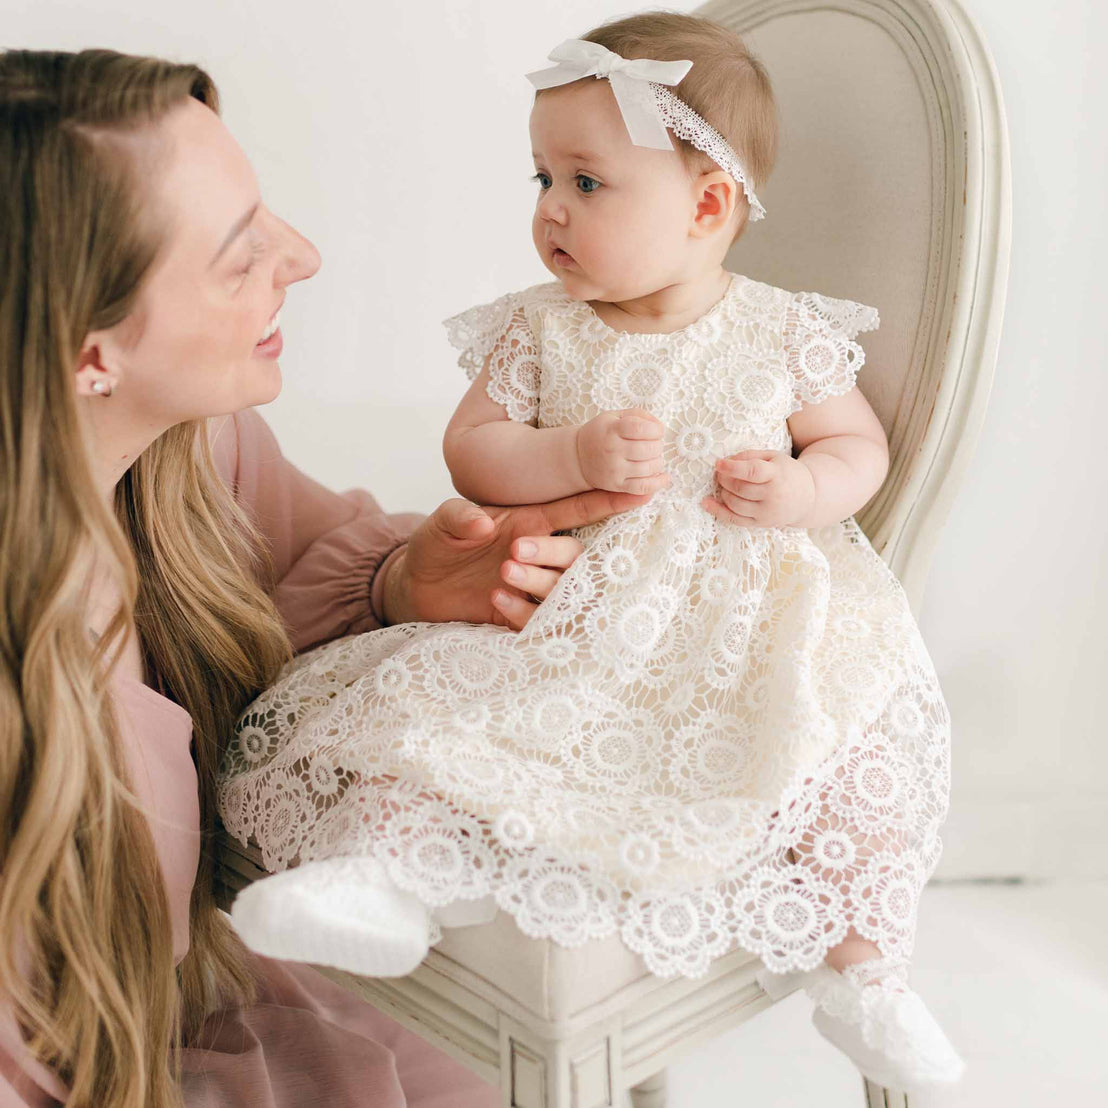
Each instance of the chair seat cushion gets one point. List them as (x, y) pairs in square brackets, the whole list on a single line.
[(554, 982)]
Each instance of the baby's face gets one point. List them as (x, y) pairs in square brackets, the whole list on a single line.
[(612, 220)]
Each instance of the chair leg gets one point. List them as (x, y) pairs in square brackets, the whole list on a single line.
[(650, 1093), (879, 1097)]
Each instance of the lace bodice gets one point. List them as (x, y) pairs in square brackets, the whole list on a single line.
[(725, 383)]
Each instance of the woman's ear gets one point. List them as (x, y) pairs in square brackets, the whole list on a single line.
[(717, 198), (98, 365)]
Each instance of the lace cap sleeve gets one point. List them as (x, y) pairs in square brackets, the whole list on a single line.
[(500, 333), (822, 357)]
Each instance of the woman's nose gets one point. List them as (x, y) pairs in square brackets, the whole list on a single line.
[(299, 258)]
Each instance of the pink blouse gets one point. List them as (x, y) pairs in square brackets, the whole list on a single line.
[(306, 1041)]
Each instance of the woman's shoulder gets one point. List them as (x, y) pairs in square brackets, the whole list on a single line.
[(244, 434)]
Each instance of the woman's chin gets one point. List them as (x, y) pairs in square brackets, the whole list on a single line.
[(265, 381)]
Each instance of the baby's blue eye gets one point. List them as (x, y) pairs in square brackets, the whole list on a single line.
[(585, 183)]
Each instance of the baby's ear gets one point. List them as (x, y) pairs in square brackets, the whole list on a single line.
[(717, 198)]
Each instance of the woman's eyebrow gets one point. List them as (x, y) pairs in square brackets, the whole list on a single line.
[(240, 225)]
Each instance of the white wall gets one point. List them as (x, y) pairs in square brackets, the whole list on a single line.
[(394, 135), (1017, 603)]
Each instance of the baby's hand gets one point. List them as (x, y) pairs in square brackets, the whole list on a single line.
[(622, 452), (762, 488)]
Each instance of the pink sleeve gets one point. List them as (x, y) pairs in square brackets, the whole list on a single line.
[(22, 1095), (328, 548), (24, 1082)]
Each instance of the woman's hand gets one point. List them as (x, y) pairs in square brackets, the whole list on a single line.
[(762, 488), (622, 452), (483, 565)]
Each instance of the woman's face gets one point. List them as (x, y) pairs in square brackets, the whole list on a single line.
[(193, 346)]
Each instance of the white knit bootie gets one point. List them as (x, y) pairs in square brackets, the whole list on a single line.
[(342, 912), (869, 1012)]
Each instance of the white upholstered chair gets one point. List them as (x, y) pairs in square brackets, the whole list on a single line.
[(892, 188)]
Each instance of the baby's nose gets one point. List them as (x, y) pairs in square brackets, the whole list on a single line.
[(552, 209)]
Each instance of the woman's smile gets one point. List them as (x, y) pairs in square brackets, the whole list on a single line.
[(271, 342)]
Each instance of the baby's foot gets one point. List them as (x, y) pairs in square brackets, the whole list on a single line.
[(343, 912), (871, 1014)]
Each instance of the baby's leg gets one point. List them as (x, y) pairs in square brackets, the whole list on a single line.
[(863, 1003), (854, 948), (865, 835)]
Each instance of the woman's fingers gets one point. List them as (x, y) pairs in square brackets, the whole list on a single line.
[(557, 551), (515, 610), (462, 519), (537, 563), (534, 580), (586, 507)]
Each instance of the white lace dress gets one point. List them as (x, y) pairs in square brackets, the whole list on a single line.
[(707, 735)]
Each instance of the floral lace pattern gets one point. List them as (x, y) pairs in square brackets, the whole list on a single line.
[(504, 336), (706, 736)]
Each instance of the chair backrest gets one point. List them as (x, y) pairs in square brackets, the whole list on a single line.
[(892, 187)]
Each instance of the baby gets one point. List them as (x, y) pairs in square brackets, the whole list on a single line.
[(721, 727)]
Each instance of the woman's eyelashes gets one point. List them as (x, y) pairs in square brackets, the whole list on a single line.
[(585, 183), (257, 249)]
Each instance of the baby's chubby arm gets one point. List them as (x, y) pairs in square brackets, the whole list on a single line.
[(497, 460), (843, 460)]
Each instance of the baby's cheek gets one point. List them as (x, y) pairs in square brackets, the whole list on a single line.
[(622, 252), (644, 243)]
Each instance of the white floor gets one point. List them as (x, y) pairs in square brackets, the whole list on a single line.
[(1016, 974)]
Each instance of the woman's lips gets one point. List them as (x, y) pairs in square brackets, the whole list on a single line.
[(272, 346), (562, 258)]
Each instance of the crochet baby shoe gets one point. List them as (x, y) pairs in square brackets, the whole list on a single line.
[(343, 912), (869, 1012)]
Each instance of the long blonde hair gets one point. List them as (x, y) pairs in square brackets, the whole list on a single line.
[(86, 959)]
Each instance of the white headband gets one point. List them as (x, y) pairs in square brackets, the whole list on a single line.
[(646, 106)]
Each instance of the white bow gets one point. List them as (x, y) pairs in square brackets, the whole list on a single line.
[(630, 79)]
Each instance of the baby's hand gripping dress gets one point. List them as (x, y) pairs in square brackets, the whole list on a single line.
[(707, 735)]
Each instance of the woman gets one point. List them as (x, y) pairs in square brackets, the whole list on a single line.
[(159, 566)]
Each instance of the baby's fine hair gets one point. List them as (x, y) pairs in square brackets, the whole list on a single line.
[(727, 85)]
